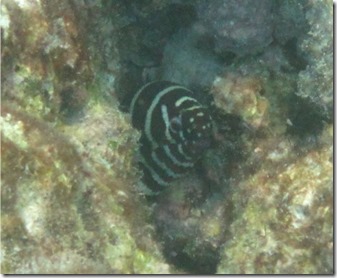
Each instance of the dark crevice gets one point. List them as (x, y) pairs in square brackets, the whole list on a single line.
[(305, 118), (290, 50)]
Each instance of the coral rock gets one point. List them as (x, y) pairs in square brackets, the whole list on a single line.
[(243, 27), (241, 96), (283, 215)]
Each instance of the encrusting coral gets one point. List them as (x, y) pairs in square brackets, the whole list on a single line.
[(69, 201), (241, 96), (65, 209), (283, 213), (315, 81)]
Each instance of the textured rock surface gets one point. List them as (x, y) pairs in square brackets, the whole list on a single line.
[(68, 205), (283, 213), (193, 67), (316, 81), (243, 27), (289, 20), (241, 96)]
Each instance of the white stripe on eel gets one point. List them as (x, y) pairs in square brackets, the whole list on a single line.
[(134, 99), (154, 175), (148, 118), (194, 107), (175, 160), (166, 121), (183, 99), (163, 166), (181, 151)]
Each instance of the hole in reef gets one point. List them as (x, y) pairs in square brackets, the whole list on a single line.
[(305, 117), (184, 245), (294, 58)]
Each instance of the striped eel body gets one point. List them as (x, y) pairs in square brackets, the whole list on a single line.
[(176, 129)]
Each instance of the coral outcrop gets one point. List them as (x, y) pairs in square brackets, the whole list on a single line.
[(316, 80), (283, 213), (67, 204), (69, 201), (242, 27), (241, 96)]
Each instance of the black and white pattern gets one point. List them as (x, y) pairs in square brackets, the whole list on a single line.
[(176, 129)]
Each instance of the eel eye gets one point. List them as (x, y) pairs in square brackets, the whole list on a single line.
[(175, 124)]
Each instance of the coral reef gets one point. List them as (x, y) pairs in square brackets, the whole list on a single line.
[(193, 67), (283, 213), (65, 209), (243, 27), (43, 52), (289, 20), (241, 96), (316, 81), (259, 201), (69, 204), (189, 225)]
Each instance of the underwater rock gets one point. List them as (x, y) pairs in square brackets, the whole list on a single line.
[(283, 212), (243, 27), (185, 63), (43, 50), (191, 226), (69, 204), (142, 44), (316, 46), (73, 101), (241, 96), (305, 119), (289, 20), (65, 206)]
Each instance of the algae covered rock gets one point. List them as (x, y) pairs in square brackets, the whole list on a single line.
[(241, 96), (64, 210), (316, 81), (185, 63), (188, 224), (243, 27), (43, 52), (69, 201), (283, 213), (289, 20)]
